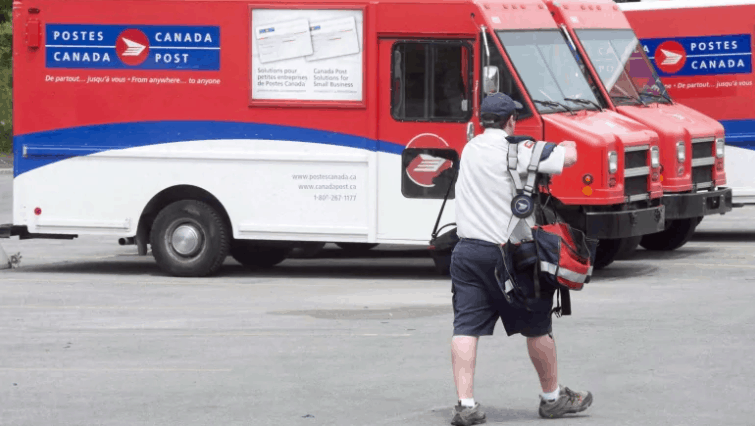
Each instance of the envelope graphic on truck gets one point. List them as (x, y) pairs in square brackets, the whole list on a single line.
[(334, 38), (283, 40), (300, 38)]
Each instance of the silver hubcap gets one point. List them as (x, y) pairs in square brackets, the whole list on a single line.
[(186, 240)]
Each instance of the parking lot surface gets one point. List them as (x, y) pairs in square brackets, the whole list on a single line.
[(91, 334)]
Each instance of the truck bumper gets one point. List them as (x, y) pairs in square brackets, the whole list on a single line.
[(625, 224), (698, 204)]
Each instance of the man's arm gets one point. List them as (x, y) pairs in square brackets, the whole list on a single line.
[(556, 158)]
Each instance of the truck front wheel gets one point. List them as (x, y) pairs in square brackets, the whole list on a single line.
[(607, 252), (189, 239), (676, 234), (628, 246)]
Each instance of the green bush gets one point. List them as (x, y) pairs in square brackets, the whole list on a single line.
[(6, 77)]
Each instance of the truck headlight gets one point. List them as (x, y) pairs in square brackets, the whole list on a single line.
[(655, 157), (613, 162), (681, 152), (720, 143)]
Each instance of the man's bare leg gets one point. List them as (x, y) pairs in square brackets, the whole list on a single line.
[(463, 358), (543, 355)]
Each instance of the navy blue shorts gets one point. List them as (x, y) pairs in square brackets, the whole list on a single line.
[(477, 299)]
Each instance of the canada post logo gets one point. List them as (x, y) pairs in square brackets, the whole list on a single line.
[(690, 56), (425, 168), (670, 57), (132, 47)]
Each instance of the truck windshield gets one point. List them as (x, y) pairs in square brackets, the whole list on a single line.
[(624, 69), (548, 70)]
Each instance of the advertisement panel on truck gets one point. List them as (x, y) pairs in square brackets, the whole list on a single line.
[(209, 128)]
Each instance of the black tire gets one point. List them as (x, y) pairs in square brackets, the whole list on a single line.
[(206, 228), (627, 247), (606, 252), (357, 247), (678, 232), (253, 256)]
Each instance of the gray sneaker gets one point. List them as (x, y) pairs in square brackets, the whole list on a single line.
[(568, 402), (466, 416)]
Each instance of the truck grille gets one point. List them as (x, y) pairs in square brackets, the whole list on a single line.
[(634, 159), (636, 171), (703, 174), (702, 149), (703, 161), (637, 185)]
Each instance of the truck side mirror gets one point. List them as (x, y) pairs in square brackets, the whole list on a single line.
[(491, 79)]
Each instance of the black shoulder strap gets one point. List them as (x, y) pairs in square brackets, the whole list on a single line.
[(564, 304), (443, 206), (517, 139)]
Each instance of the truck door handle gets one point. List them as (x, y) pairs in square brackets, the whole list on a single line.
[(470, 131), (33, 33)]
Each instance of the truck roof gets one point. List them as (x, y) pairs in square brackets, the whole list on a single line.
[(450, 17), (580, 14), (319, 3), (677, 4)]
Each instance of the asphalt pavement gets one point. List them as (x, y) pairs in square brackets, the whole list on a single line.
[(91, 334)]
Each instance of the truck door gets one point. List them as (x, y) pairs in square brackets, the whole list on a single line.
[(425, 107)]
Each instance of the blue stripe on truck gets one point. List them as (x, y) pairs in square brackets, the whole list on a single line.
[(740, 133), (48, 147)]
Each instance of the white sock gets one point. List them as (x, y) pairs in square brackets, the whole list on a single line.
[(551, 396), (467, 402)]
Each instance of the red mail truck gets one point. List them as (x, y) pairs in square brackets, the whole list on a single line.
[(702, 50), (208, 128), (691, 143)]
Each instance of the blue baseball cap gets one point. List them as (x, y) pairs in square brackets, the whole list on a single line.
[(499, 104)]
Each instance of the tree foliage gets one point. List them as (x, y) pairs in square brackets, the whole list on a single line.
[(6, 75)]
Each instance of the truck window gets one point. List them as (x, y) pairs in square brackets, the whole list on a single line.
[(550, 73), (508, 84), (431, 81), (625, 70)]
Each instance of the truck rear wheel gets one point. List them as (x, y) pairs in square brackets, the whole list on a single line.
[(189, 239), (676, 234), (357, 247), (607, 252), (253, 256)]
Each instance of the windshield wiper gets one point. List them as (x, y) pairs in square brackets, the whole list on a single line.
[(653, 95), (553, 104), (631, 98), (584, 101)]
